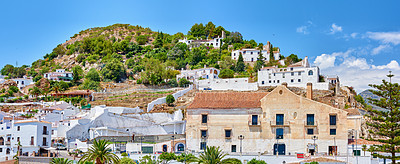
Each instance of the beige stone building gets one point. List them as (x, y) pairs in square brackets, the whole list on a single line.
[(266, 123)]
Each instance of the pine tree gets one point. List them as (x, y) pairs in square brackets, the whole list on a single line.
[(240, 64), (386, 124), (271, 54)]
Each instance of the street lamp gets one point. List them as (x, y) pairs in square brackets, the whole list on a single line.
[(173, 143), (315, 146), (241, 137)]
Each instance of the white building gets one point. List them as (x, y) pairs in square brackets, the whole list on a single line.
[(295, 75), (59, 75), (233, 84), (203, 73), (32, 136), (216, 42), (251, 54), (23, 82)]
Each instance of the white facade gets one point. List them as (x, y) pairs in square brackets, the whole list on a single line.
[(204, 73), (23, 82), (234, 84), (59, 75), (296, 75), (251, 54), (216, 42), (31, 134)]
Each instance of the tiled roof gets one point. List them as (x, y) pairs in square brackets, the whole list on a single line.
[(322, 159), (32, 121), (363, 142), (352, 111), (227, 100)]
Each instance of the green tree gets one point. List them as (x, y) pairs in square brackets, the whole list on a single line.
[(167, 157), (183, 82), (61, 161), (14, 89), (211, 155), (141, 40), (114, 70), (99, 153), (170, 99), (186, 158), (240, 64), (226, 73), (154, 73), (260, 62), (91, 85), (147, 159), (385, 124), (93, 75), (126, 160), (36, 91), (271, 54), (78, 73), (255, 161)]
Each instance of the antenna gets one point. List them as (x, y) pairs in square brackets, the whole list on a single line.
[(390, 76)]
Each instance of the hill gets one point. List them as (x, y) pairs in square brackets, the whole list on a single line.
[(368, 94)]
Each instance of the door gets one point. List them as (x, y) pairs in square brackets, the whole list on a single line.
[(280, 148), (164, 148)]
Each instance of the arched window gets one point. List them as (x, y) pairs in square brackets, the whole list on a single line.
[(1, 141), (8, 151), (310, 73), (180, 147)]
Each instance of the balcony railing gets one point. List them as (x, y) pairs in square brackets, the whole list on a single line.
[(279, 123), (310, 123), (254, 123)]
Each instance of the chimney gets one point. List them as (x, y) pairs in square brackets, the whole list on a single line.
[(284, 84), (309, 91)]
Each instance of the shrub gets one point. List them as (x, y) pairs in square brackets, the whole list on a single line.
[(226, 73), (172, 83), (124, 154), (26, 97), (14, 89), (170, 99), (255, 161), (183, 82)]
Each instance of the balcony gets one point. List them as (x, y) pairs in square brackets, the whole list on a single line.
[(255, 124), (310, 123), (279, 123)]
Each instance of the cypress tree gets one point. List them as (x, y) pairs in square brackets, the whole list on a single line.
[(260, 62), (240, 64), (386, 124)]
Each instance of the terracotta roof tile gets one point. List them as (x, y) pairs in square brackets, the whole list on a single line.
[(31, 121), (227, 100), (322, 159)]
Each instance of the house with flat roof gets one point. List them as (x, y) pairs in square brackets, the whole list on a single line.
[(59, 75)]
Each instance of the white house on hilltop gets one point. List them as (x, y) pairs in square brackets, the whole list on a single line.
[(251, 54), (204, 73), (295, 75), (32, 136), (59, 75), (23, 82), (215, 42)]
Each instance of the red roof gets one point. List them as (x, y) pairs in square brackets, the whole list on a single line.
[(227, 100), (363, 142)]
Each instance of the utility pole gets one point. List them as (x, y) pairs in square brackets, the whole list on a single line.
[(241, 137)]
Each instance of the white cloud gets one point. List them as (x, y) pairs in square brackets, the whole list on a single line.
[(385, 37), (393, 65), (380, 48), (335, 28), (325, 61), (356, 62), (304, 29), (356, 72), (354, 35)]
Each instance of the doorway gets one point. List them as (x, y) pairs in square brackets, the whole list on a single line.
[(280, 148)]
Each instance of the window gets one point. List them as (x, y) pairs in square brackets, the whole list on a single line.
[(274, 74), (254, 120), (291, 80), (45, 130), (32, 140), (203, 145), (251, 53), (270, 81), (279, 133), (1, 149), (310, 73), (203, 133), (333, 150), (18, 139), (234, 54), (18, 128), (44, 141), (310, 131), (228, 133), (1, 141), (277, 81), (299, 73), (204, 118), (332, 132), (332, 119), (262, 82), (310, 119), (233, 149), (356, 152), (283, 75), (279, 119), (299, 80), (292, 74)]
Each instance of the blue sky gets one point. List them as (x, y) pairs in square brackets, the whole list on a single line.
[(357, 40)]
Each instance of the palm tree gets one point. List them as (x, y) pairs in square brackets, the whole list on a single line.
[(36, 91), (212, 155), (99, 153), (61, 161)]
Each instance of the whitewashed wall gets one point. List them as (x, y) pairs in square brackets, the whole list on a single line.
[(162, 100)]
